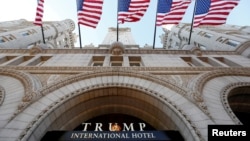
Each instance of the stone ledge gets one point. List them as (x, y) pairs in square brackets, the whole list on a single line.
[(153, 70)]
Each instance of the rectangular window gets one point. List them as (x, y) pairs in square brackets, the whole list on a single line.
[(116, 64), (39, 61), (207, 35), (227, 61), (134, 60), (209, 61), (135, 64), (192, 61), (221, 39), (2, 40), (10, 37), (232, 43), (25, 33), (20, 60), (98, 60), (97, 64), (6, 58), (188, 60), (116, 60)]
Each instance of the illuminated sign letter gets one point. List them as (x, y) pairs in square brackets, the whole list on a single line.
[(142, 125), (126, 128), (85, 126)]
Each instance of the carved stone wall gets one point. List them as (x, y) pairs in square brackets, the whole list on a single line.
[(184, 99), (2, 95)]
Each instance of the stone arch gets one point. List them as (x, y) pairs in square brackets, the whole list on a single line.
[(9, 94), (244, 49), (213, 89), (2, 95), (30, 83), (225, 95), (158, 94), (17, 88), (200, 81)]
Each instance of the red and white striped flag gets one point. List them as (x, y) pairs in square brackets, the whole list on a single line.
[(39, 13), (89, 12), (213, 12), (131, 10), (171, 11)]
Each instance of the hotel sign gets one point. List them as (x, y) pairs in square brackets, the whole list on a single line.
[(115, 126), (121, 132)]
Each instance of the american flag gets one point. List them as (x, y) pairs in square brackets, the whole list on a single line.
[(89, 12), (131, 10), (213, 12), (171, 11), (39, 13)]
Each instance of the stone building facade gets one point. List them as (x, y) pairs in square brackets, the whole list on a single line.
[(58, 89), (223, 37), (21, 34)]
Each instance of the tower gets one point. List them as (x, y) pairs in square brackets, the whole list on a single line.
[(223, 37), (57, 34), (124, 34)]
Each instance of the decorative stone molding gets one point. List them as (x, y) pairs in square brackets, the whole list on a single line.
[(193, 93), (30, 86), (243, 47), (33, 124), (35, 50), (2, 95), (126, 51), (197, 51), (224, 99), (117, 48), (117, 72), (70, 24), (202, 79), (153, 70)]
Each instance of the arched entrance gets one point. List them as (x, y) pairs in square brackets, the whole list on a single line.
[(68, 103), (239, 101), (112, 100)]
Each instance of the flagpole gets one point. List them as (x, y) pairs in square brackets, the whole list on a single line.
[(117, 24), (155, 23), (43, 34), (80, 37), (191, 29), (79, 6), (42, 30)]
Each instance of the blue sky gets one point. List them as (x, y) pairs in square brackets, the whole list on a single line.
[(143, 31)]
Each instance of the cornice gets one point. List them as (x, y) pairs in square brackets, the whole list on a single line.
[(126, 51), (153, 70)]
